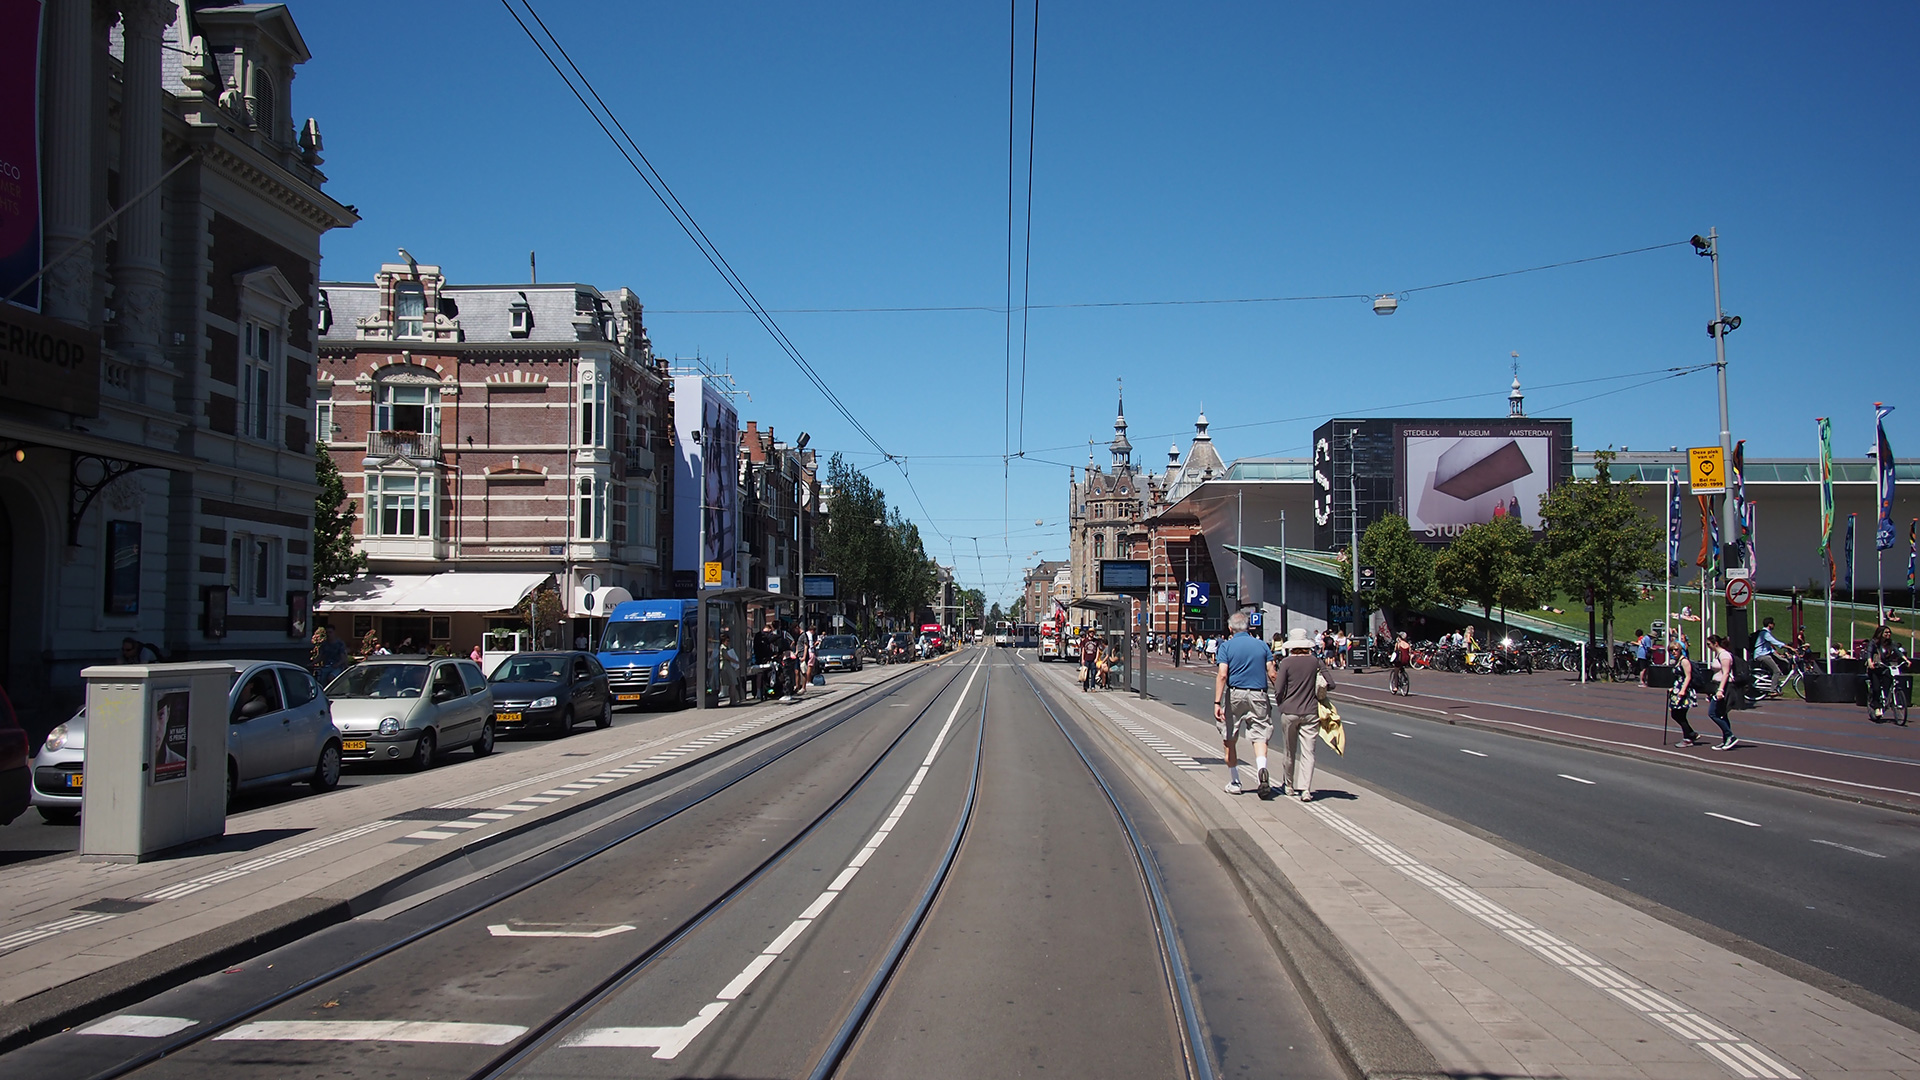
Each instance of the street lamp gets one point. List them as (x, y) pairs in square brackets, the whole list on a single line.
[(1385, 304), (1708, 247)]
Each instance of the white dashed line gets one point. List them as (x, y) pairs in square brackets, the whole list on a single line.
[(1849, 847), (1575, 779), (1475, 753), (1398, 735), (1735, 820), (410, 1031)]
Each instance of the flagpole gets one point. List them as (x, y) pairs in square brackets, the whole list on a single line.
[(1879, 582), (1666, 628)]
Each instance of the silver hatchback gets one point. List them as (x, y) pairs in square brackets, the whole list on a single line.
[(395, 708)]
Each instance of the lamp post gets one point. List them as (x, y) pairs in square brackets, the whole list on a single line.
[(1708, 247), (1353, 531)]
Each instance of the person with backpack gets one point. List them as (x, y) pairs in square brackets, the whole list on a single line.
[(1402, 681)]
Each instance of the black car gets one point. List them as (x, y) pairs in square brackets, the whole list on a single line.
[(838, 652), (549, 692)]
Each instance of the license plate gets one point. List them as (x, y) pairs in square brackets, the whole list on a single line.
[(73, 780), (627, 697), (506, 717), (353, 744)]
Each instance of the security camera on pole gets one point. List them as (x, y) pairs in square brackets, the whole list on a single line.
[(1708, 247)]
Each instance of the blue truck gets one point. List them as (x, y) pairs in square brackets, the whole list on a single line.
[(648, 649)]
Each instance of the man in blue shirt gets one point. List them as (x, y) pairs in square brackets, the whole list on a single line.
[(1765, 648), (1240, 704)]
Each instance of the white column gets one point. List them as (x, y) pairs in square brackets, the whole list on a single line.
[(138, 295), (71, 44)]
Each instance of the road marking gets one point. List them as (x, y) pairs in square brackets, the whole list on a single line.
[(1575, 779), (138, 1027), (504, 930), (1475, 753), (1741, 1057), (1398, 735), (668, 1042), (1855, 850), (1735, 820), (411, 1031)]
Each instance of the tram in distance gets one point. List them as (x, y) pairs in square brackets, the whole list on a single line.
[(1003, 634)]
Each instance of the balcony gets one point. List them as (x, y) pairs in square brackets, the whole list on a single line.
[(639, 461), (412, 445)]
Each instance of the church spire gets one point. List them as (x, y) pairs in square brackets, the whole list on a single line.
[(1122, 449)]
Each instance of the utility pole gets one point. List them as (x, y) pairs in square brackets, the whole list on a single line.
[(1708, 247), (1353, 531), (1284, 610), (1239, 559)]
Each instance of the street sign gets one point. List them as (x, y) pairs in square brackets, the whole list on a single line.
[(1739, 592), (1706, 470), (1198, 595), (1254, 621), (712, 573), (1367, 580)]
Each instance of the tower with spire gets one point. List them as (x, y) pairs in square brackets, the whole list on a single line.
[(1515, 400), (1106, 508), (1121, 449)]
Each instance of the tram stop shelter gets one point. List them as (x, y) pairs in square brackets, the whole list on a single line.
[(733, 614), (1112, 616)]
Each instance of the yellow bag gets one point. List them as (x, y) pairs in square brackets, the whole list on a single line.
[(1332, 732)]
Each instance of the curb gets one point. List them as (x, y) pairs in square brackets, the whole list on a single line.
[(69, 1004), (1369, 1038)]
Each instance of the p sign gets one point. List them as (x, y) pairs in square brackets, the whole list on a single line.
[(1198, 595)]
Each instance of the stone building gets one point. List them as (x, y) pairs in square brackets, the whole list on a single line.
[(159, 482), (514, 431), (1104, 511), (1047, 581), (779, 511)]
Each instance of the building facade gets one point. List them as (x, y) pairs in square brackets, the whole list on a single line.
[(158, 480), (503, 429), (1105, 508), (779, 512)]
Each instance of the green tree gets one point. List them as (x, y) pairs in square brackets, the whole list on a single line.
[(1598, 539), (335, 559), (995, 616), (1402, 568), (1494, 563), (856, 544)]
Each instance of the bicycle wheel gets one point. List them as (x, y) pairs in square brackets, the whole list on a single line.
[(1897, 702)]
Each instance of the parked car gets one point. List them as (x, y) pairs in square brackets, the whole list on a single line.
[(15, 775), (279, 731), (396, 708), (838, 652), (550, 691)]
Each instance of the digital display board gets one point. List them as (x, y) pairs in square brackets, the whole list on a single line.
[(1125, 575), (820, 586)]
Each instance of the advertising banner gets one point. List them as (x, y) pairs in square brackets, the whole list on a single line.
[(1455, 473), (20, 150), (169, 749), (706, 482)]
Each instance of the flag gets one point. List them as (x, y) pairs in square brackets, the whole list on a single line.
[(1883, 535), (1739, 486), (1673, 524), (1706, 515), (1714, 566), (1826, 487), (1850, 518), (1751, 539), (1913, 550)]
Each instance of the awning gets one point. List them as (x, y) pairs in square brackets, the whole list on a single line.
[(456, 591)]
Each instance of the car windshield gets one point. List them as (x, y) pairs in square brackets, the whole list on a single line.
[(838, 643), (379, 681), (649, 636), (528, 669)]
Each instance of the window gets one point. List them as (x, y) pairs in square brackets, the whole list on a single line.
[(299, 686), (256, 378), (593, 509), (261, 571), (236, 561), (409, 309), (406, 408), (266, 105), (593, 414), (323, 319), (1099, 546), (520, 317), (1099, 510), (323, 415), (400, 504)]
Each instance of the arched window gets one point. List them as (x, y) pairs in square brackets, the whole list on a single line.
[(266, 104), (1099, 546)]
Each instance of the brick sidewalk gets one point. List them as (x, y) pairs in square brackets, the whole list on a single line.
[(1831, 749), (286, 869), (1504, 969)]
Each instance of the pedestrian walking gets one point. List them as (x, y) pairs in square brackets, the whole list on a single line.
[(1720, 667), (1642, 644), (329, 656), (1680, 696), (1296, 692), (1240, 703), (1089, 659)]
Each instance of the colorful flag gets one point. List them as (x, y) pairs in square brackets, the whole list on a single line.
[(1713, 567), (1850, 518), (1706, 515), (1751, 538), (1673, 524), (1826, 487), (1913, 550), (1883, 535)]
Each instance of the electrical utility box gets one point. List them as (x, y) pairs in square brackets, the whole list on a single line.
[(156, 758)]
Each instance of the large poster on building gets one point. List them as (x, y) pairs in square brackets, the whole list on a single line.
[(706, 482), (20, 150), (1455, 473)]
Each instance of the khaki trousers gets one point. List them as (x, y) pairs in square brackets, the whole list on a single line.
[(1297, 736)]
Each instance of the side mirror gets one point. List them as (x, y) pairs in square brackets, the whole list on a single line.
[(442, 694)]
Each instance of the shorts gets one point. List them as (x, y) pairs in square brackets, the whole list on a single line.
[(1247, 716)]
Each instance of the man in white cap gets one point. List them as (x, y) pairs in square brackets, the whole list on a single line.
[(1295, 697), (1240, 704)]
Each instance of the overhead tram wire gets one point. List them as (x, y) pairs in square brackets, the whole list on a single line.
[(682, 217), (1006, 378), (1026, 259)]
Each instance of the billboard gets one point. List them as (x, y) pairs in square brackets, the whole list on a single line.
[(706, 490), (1449, 474), (20, 151)]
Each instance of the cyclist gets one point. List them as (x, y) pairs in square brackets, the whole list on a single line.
[(1402, 661), (1884, 661), (1767, 650)]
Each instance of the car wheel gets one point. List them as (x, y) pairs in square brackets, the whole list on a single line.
[(326, 771), (605, 719), (422, 752), (564, 727), (483, 745), (233, 781), (54, 815)]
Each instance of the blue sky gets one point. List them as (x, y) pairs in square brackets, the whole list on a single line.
[(856, 156)]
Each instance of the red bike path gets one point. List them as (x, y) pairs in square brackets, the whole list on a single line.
[(1830, 749)]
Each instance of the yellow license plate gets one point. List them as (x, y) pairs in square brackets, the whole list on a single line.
[(627, 697), (507, 717), (74, 779), (353, 744)]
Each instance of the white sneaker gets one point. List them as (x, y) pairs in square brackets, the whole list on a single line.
[(1233, 787)]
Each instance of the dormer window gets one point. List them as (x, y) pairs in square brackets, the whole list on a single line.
[(520, 317), (324, 317), (409, 309)]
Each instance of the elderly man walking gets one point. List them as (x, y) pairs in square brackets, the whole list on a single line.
[(1295, 696), (1240, 705)]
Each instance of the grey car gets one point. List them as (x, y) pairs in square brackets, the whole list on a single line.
[(395, 708), (279, 731), (838, 652)]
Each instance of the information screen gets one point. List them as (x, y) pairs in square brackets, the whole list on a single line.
[(820, 586), (1125, 575)]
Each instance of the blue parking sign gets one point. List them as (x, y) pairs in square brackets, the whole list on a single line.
[(1198, 595), (1254, 621)]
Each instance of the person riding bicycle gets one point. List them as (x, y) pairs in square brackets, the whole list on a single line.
[(1402, 683), (1885, 658), (1768, 650)]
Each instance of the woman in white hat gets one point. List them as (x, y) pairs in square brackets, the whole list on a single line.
[(1295, 698)]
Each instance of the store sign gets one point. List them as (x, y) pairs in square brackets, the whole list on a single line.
[(48, 363)]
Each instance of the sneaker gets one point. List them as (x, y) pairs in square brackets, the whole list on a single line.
[(788, 700), (1266, 789), (1306, 796), (1233, 787), (1685, 742), (1729, 744)]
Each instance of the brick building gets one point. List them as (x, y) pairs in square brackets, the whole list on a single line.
[(518, 431), (779, 511)]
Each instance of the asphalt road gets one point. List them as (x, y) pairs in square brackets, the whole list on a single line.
[(1826, 882), (1039, 955)]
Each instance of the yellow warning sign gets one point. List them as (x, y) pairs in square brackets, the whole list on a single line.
[(1706, 470), (712, 573)]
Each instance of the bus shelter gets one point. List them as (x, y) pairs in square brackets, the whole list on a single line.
[(1111, 622), (727, 620)]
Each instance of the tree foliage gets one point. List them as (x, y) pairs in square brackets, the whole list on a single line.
[(1493, 564), (1402, 567), (876, 552), (335, 559), (1598, 539)]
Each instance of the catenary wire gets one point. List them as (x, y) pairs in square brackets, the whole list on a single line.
[(1026, 260)]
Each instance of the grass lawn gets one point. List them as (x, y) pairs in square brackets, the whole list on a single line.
[(1851, 622)]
